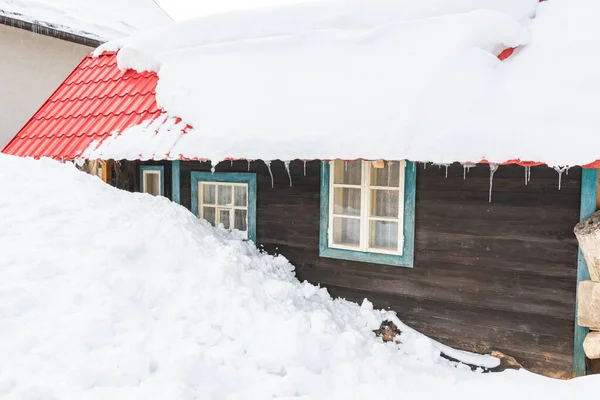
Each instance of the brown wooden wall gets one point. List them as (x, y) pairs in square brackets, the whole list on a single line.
[(497, 276)]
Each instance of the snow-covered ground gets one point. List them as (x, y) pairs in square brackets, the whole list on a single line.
[(106, 294), (95, 19)]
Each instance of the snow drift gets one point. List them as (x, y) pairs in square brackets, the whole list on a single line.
[(393, 80), (109, 294)]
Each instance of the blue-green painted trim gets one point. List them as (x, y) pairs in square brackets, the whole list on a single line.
[(589, 192), (232, 177), (176, 181), (408, 253), (153, 168)]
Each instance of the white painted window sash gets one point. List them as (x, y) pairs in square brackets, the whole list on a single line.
[(230, 207), (148, 172), (365, 207)]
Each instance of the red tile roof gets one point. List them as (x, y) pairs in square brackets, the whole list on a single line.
[(95, 100)]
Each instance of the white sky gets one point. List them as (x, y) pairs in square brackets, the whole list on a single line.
[(183, 9)]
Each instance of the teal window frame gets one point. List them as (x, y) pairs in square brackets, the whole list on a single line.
[(229, 177), (160, 168), (407, 257)]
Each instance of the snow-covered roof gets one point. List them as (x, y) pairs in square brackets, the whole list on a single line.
[(354, 79), (95, 19), (415, 80)]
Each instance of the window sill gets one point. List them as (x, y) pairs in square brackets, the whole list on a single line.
[(373, 258)]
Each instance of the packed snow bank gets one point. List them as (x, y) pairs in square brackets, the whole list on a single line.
[(95, 19), (403, 80), (108, 294)]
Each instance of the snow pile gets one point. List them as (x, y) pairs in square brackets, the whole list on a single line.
[(96, 19), (395, 80), (108, 294)]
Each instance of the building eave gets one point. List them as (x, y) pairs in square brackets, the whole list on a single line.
[(49, 31)]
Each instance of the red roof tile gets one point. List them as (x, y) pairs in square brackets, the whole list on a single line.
[(95, 100)]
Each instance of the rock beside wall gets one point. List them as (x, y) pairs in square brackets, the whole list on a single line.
[(591, 345), (588, 305)]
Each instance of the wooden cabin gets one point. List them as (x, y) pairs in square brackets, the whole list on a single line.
[(475, 272)]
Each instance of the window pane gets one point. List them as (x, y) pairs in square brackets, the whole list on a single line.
[(208, 213), (152, 183), (208, 196), (384, 203), (241, 198), (148, 187), (384, 235), (224, 218), (240, 220), (347, 172), (386, 176), (224, 195), (346, 201), (346, 231)]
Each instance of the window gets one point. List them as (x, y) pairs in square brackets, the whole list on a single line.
[(367, 211), (226, 199), (152, 179)]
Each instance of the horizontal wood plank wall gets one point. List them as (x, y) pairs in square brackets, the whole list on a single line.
[(497, 276)]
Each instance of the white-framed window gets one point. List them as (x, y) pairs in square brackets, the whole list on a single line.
[(366, 206), (152, 179), (226, 199), (224, 204)]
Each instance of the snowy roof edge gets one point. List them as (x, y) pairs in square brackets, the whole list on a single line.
[(53, 32)]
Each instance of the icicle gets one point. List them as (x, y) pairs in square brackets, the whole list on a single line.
[(493, 169), (389, 171), (526, 175), (231, 162), (304, 167), (567, 171), (268, 163), (560, 172), (466, 168), (443, 165), (287, 169), (248, 165), (213, 167), (425, 165)]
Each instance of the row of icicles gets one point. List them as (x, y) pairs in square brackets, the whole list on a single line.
[(494, 168), (466, 168)]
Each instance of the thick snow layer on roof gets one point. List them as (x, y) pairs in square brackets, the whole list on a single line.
[(94, 306), (96, 19), (147, 51), (404, 80)]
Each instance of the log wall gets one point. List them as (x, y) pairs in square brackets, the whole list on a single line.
[(497, 276)]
